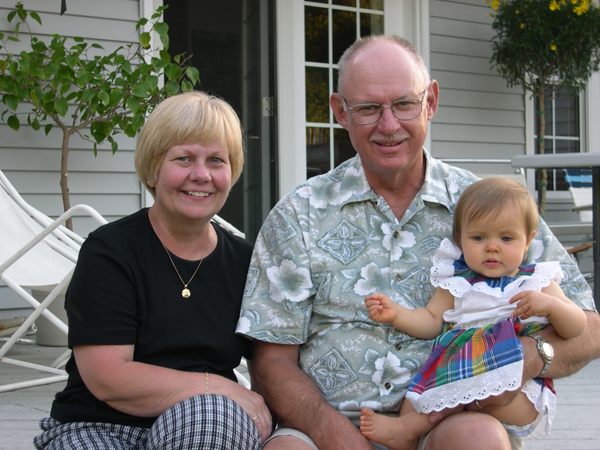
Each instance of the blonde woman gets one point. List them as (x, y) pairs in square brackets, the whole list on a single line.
[(154, 302)]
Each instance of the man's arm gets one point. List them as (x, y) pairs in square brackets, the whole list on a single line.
[(296, 402), (570, 356)]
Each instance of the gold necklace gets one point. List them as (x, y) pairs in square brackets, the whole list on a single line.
[(186, 292)]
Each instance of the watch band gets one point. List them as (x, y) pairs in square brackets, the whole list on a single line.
[(546, 357)]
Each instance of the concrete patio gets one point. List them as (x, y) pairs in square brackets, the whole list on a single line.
[(576, 425)]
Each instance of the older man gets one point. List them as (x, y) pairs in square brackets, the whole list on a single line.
[(371, 224)]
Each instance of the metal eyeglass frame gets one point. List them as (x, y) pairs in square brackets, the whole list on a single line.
[(350, 108)]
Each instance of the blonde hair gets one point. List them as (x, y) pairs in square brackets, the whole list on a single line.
[(191, 117), (486, 198)]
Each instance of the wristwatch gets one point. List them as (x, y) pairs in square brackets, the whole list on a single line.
[(545, 349)]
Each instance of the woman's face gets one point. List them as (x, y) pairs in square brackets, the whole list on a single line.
[(193, 182)]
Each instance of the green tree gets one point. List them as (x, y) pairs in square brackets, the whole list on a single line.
[(81, 89), (544, 45)]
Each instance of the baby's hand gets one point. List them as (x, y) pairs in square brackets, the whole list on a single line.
[(381, 308), (532, 303)]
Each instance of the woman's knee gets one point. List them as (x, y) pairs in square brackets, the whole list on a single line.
[(204, 421)]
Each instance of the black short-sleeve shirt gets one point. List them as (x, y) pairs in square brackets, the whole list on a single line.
[(125, 291)]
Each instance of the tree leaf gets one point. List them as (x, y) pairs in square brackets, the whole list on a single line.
[(61, 106), (13, 122), (193, 74), (35, 17), (145, 39), (10, 100), (47, 128)]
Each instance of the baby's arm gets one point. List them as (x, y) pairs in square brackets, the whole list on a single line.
[(565, 316), (423, 323)]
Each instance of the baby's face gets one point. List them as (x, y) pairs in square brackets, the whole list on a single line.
[(495, 247)]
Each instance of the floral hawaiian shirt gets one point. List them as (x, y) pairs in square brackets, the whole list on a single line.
[(330, 242)]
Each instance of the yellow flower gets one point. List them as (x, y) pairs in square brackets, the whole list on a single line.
[(495, 4), (554, 5), (522, 25), (581, 8), (553, 47), (574, 2)]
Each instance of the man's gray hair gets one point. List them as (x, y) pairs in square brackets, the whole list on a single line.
[(360, 43)]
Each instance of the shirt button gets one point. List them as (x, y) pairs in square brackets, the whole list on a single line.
[(398, 276), (388, 385), (396, 234), (398, 347)]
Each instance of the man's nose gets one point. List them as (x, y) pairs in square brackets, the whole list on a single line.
[(388, 122)]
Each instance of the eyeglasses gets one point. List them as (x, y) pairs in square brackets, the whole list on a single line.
[(368, 113)]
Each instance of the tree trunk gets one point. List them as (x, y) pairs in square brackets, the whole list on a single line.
[(64, 184), (540, 117)]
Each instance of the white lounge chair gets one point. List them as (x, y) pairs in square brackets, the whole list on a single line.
[(39, 253)]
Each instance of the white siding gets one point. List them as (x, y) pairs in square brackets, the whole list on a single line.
[(479, 116)]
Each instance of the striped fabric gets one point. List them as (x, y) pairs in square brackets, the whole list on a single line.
[(207, 422), (578, 178)]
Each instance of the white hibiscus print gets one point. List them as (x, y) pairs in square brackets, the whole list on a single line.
[(288, 282), (406, 239), (374, 279), (395, 374)]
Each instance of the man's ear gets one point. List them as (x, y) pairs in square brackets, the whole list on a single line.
[(432, 98), (337, 106)]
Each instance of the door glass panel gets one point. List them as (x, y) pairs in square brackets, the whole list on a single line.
[(371, 24), (317, 151), (342, 147), (372, 4), (345, 2), (315, 34), (317, 94), (344, 31)]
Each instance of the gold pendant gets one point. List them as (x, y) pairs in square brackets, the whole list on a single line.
[(186, 293)]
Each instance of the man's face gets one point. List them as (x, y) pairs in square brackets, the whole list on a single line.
[(383, 72)]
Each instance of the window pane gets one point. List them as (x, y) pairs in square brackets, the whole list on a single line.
[(344, 32), (317, 151), (319, 1), (315, 34), (317, 94), (372, 4), (371, 24), (567, 115), (342, 147), (345, 2)]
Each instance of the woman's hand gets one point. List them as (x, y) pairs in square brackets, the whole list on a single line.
[(253, 404)]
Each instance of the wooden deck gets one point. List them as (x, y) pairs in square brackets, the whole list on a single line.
[(576, 425)]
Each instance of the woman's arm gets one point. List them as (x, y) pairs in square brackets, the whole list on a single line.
[(566, 317), (146, 390)]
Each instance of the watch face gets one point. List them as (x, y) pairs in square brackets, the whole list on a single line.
[(548, 350)]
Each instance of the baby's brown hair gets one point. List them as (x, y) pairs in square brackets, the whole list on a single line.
[(487, 197)]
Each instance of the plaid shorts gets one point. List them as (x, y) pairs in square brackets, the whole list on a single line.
[(210, 422)]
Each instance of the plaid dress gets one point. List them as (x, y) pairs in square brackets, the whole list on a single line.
[(479, 353)]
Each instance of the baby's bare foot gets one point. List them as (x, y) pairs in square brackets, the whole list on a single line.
[(388, 431)]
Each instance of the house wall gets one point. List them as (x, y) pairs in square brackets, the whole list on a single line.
[(479, 117), (31, 160)]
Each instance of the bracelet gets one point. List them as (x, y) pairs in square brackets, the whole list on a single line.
[(206, 373)]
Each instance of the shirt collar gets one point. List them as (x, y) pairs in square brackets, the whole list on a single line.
[(437, 187)]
